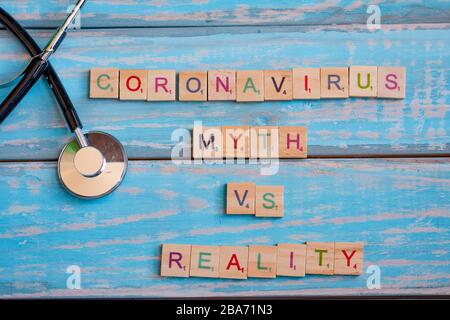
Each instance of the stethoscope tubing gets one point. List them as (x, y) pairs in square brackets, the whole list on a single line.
[(66, 105)]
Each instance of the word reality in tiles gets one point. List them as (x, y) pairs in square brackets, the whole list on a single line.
[(262, 261), (261, 201), (241, 142), (249, 85)]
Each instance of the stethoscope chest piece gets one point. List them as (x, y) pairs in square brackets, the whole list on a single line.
[(95, 170)]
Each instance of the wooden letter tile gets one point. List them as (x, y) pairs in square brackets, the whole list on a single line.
[(133, 85), (391, 82), (207, 142), (363, 81), (250, 86), (293, 142), (264, 142), (192, 86), (262, 261), (175, 260), (278, 85), (241, 198), (320, 258), (291, 260), (334, 82), (233, 262), (236, 142), (161, 85), (269, 201), (221, 85), (104, 83), (306, 83), (348, 258), (205, 261)]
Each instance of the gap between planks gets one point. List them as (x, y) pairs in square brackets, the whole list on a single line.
[(356, 26), (318, 157)]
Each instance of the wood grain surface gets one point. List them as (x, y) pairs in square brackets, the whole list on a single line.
[(396, 201), (398, 208), (416, 125)]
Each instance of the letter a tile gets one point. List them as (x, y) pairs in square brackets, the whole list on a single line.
[(233, 262), (250, 86)]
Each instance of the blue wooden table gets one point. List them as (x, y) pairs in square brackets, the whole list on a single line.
[(378, 170)]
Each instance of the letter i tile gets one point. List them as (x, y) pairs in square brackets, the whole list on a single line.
[(291, 259)]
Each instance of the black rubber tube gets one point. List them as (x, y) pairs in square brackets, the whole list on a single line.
[(67, 108)]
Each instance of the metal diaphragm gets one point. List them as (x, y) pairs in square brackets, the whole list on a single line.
[(101, 184)]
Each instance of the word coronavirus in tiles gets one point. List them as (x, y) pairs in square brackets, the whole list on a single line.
[(249, 85), (262, 261), (241, 142)]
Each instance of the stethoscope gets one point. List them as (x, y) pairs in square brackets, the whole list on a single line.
[(91, 165)]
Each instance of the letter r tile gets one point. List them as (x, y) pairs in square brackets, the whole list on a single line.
[(334, 82), (175, 260), (161, 85)]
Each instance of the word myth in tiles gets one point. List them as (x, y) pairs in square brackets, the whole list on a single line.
[(262, 261), (249, 85), (243, 142)]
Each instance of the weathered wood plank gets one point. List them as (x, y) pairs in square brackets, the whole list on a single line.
[(98, 13), (399, 208), (418, 124)]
